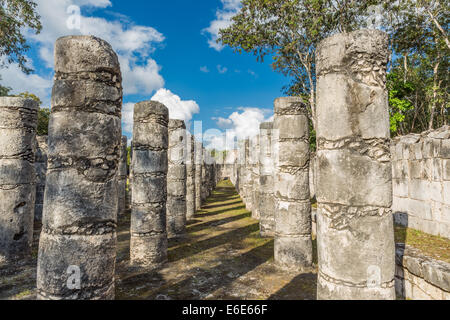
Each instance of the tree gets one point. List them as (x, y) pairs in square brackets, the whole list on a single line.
[(43, 114), (289, 31), (15, 15), (418, 29)]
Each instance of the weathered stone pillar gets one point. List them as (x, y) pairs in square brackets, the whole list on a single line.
[(241, 169), (248, 187), (293, 244), (204, 176), (77, 248), (41, 174), (198, 174), (122, 175), (266, 181), (176, 179), (255, 177), (354, 185), (148, 246), (190, 183), (18, 121)]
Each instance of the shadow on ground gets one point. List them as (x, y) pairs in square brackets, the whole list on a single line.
[(222, 256)]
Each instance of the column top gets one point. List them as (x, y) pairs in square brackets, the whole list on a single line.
[(85, 54), (266, 126), (348, 49), (18, 102), (290, 106), (146, 109)]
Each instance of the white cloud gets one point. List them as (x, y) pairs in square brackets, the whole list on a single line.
[(13, 77), (178, 109), (252, 73), (127, 117), (133, 44), (239, 125), (223, 20), (221, 69), (140, 79), (204, 69)]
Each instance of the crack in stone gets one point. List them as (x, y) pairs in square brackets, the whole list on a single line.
[(89, 229), (376, 149), (384, 285), (342, 215)]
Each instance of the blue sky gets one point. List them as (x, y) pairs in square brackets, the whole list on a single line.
[(166, 46)]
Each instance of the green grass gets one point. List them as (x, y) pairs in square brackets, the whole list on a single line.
[(433, 246)]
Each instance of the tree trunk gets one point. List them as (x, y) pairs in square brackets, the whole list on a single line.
[(433, 104)]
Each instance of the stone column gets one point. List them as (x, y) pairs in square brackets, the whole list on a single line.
[(78, 238), (293, 244), (248, 176), (18, 121), (204, 185), (41, 174), (198, 174), (266, 181), (148, 246), (354, 184), (122, 175), (176, 179), (190, 183), (241, 169), (255, 177)]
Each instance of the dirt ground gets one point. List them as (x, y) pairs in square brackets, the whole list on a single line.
[(222, 256)]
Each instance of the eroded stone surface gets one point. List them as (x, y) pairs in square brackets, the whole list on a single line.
[(148, 245), (266, 180), (190, 182), (81, 199), (18, 121), (40, 165), (354, 188), (176, 179), (122, 176), (293, 244)]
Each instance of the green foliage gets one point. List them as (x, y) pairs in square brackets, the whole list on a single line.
[(43, 119), (43, 114), (15, 16), (129, 156), (28, 95), (399, 90), (288, 31)]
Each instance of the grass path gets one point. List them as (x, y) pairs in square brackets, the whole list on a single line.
[(222, 256)]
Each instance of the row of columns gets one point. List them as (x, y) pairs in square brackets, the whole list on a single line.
[(74, 180), (84, 173), (355, 239)]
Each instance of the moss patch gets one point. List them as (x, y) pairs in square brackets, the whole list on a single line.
[(432, 246)]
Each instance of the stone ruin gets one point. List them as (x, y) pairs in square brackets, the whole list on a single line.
[(190, 178), (17, 178), (81, 198), (75, 180), (355, 238), (40, 164), (148, 245), (122, 176), (293, 244), (176, 179), (421, 181)]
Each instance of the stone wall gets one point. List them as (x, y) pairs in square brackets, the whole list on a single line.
[(418, 277), (421, 181)]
